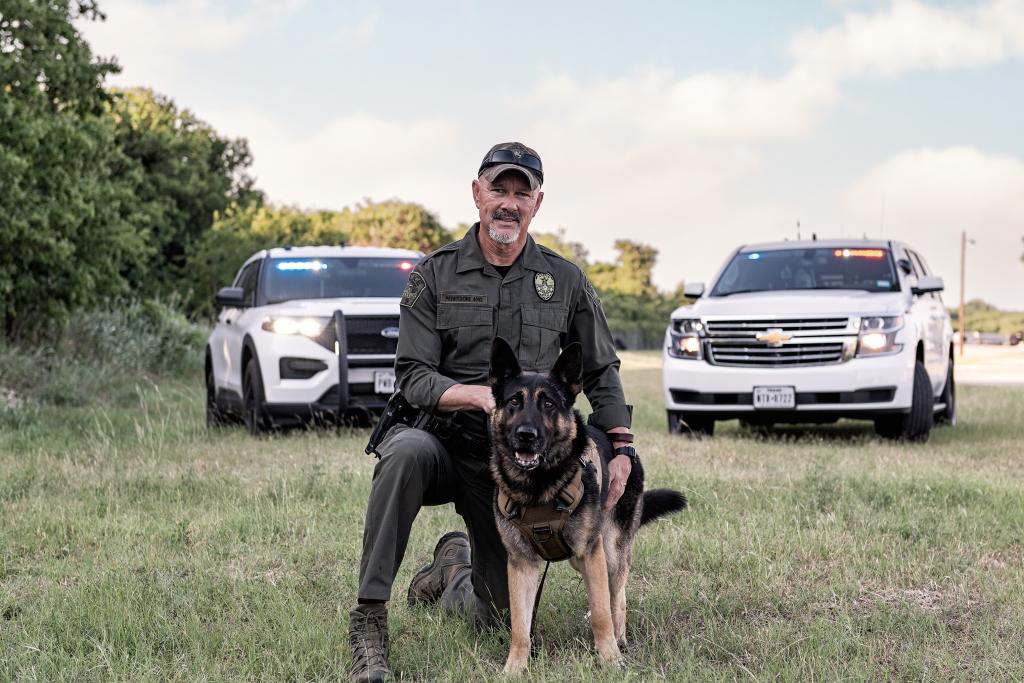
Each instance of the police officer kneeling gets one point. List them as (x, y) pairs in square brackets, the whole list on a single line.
[(495, 281)]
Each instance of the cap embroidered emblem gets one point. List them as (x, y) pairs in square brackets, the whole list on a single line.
[(544, 283)]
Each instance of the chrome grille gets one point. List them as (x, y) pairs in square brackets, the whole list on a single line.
[(750, 328), (746, 354)]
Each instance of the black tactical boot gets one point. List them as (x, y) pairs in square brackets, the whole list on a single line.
[(451, 556), (368, 636)]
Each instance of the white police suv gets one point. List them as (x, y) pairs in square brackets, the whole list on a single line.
[(811, 331), (306, 332)]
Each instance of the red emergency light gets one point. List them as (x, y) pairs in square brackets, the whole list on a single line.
[(859, 253)]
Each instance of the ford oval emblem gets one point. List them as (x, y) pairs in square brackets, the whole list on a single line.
[(389, 333)]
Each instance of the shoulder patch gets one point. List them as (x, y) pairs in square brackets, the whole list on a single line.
[(413, 289)]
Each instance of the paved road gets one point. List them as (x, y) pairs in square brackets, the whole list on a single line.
[(990, 365)]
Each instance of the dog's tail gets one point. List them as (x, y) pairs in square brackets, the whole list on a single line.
[(659, 502)]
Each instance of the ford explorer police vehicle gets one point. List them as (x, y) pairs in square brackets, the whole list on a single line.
[(306, 332), (812, 331)]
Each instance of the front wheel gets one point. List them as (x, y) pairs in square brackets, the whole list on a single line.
[(947, 415), (915, 425), (214, 416), (693, 424), (257, 422)]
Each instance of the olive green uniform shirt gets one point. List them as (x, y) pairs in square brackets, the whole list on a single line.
[(456, 303)]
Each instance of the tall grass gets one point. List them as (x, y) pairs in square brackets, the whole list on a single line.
[(103, 356), (136, 545)]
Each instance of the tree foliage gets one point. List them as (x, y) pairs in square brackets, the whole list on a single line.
[(630, 273), (188, 173), (557, 241), (66, 189)]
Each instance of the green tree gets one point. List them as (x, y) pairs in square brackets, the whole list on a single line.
[(557, 241), (189, 173), (397, 224), (66, 190), (631, 271)]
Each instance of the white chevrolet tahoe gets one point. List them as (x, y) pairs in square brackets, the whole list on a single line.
[(306, 332), (809, 332)]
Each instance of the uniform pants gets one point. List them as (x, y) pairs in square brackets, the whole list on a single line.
[(417, 469)]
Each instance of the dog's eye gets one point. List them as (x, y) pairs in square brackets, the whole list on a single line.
[(514, 402), (548, 404)]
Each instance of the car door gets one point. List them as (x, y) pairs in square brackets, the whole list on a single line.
[(935, 343), (234, 323)]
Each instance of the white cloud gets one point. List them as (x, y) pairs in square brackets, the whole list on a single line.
[(931, 195), (151, 41), (355, 157), (911, 35)]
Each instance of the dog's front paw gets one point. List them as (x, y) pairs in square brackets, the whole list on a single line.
[(609, 652), (516, 663)]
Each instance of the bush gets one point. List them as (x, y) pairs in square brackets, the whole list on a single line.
[(143, 336), (637, 321), (103, 355)]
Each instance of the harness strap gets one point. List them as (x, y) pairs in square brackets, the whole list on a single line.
[(543, 525)]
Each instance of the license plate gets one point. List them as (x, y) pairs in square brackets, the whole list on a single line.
[(384, 381), (774, 397)]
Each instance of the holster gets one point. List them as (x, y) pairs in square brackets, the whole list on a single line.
[(400, 411)]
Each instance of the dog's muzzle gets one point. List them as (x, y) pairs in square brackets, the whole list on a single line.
[(527, 461)]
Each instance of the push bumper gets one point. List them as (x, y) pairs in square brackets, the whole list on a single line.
[(339, 388)]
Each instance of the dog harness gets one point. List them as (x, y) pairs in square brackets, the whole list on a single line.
[(544, 524)]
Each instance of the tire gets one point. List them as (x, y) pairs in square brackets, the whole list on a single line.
[(215, 417), (947, 416), (254, 409), (917, 424), (690, 423)]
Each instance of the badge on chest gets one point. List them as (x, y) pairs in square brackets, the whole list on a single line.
[(544, 283)]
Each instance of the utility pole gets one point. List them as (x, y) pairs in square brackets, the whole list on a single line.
[(963, 259)]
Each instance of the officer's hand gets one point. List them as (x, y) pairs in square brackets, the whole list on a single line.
[(618, 472), (483, 398)]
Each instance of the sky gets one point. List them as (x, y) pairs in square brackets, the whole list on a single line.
[(693, 127)]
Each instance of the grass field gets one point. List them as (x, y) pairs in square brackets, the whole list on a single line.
[(135, 545)]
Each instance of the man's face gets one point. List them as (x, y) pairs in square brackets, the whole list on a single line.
[(506, 206)]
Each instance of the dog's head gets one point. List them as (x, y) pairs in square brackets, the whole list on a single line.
[(533, 422)]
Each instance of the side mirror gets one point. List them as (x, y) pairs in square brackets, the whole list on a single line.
[(928, 283), (232, 297), (693, 290)]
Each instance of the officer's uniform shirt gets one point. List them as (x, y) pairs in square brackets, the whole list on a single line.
[(456, 303)]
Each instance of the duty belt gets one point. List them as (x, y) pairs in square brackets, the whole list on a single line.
[(544, 524)]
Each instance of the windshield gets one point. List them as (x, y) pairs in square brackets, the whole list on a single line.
[(869, 269), (326, 278)]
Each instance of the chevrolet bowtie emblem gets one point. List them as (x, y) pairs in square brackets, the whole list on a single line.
[(774, 337)]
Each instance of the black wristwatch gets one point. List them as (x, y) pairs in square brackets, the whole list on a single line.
[(630, 453)]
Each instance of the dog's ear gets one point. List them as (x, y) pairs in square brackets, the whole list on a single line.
[(504, 365), (568, 369)]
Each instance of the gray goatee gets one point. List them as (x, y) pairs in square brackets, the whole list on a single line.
[(501, 237)]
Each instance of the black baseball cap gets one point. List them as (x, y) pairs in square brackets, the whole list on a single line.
[(512, 156)]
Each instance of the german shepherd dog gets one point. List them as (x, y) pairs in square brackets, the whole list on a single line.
[(539, 445)]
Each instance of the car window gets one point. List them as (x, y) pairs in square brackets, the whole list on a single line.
[(855, 267), (919, 263), (247, 281), (922, 268), (288, 279)]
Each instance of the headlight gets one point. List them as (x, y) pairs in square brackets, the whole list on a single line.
[(878, 335), (685, 339), (307, 327)]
